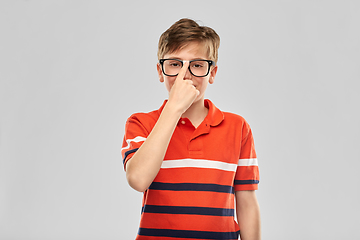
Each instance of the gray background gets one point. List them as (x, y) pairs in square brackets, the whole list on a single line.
[(71, 72)]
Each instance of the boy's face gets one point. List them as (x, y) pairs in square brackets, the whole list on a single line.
[(192, 51)]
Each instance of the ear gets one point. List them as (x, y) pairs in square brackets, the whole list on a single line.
[(213, 74), (158, 68)]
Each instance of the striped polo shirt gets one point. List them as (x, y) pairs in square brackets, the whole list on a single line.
[(192, 196)]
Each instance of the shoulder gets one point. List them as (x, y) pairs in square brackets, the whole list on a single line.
[(145, 119), (234, 118), (237, 122), (144, 116)]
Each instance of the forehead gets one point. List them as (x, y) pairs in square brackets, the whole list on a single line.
[(191, 50)]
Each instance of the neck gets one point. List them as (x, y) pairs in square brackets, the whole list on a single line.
[(196, 113)]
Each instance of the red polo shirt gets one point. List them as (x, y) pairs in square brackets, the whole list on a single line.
[(192, 197)]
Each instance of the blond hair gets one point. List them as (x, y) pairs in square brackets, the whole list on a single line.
[(185, 31)]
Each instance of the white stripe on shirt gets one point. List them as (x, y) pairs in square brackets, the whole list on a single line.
[(248, 162), (199, 163), (137, 139)]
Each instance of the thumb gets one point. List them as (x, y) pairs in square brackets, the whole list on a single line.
[(197, 92)]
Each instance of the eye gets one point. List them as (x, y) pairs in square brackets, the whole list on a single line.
[(198, 64), (173, 63)]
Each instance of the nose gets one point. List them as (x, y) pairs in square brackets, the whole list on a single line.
[(188, 75)]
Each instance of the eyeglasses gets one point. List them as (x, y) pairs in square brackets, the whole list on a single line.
[(198, 68)]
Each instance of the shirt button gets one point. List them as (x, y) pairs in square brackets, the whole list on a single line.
[(182, 122)]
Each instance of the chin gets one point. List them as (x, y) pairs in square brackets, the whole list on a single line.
[(199, 98)]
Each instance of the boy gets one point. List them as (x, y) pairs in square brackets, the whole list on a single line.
[(189, 158)]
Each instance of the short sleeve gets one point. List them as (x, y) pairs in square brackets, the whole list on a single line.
[(135, 135), (247, 173)]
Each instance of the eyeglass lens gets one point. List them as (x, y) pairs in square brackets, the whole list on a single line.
[(198, 68)]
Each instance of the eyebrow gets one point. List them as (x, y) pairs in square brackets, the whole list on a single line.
[(194, 59)]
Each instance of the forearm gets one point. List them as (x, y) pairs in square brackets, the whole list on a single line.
[(144, 165), (248, 215)]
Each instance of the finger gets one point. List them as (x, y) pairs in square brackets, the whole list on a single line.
[(197, 92), (190, 82), (183, 70)]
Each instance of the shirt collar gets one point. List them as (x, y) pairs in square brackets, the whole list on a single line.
[(215, 116)]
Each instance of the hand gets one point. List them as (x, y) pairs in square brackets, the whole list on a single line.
[(183, 92)]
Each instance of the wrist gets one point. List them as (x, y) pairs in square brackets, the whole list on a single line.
[(172, 110)]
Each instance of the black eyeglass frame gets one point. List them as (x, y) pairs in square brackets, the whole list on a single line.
[(161, 61)]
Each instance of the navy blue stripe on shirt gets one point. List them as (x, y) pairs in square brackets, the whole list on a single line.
[(128, 152), (188, 234), (224, 212), (240, 182), (192, 187)]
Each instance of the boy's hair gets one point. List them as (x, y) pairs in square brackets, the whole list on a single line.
[(185, 31)]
